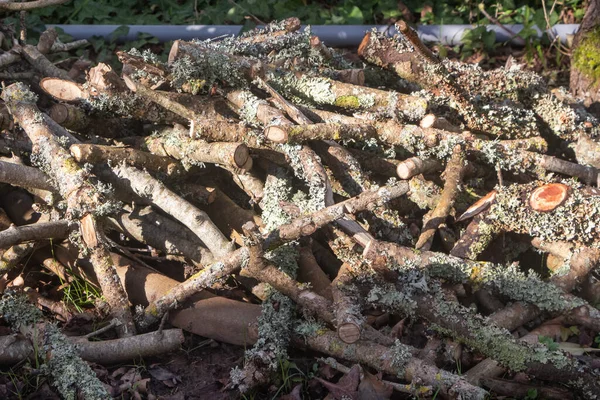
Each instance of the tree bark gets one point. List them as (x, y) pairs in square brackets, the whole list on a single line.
[(585, 70)]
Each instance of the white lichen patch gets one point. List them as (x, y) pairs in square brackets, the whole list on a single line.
[(207, 64), (388, 298), (492, 341), (278, 188), (20, 93), (122, 105), (309, 90), (70, 374), (401, 355), (508, 281), (307, 169), (309, 327), (274, 331), (17, 311), (250, 108), (577, 219), (285, 258)]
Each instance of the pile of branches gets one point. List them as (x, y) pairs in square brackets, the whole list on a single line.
[(269, 191)]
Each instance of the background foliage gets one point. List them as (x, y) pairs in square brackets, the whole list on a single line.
[(310, 12), (477, 43)]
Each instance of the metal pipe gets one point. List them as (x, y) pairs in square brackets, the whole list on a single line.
[(332, 35)]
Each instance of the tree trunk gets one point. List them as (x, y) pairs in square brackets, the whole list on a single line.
[(585, 61)]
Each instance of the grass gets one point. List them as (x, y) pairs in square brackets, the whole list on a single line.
[(79, 293)]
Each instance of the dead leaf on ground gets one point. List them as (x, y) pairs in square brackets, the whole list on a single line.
[(346, 388), (165, 376), (373, 388), (295, 394)]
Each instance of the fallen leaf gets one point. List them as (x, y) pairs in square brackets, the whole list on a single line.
[(295, 394), (131, 376), (162, 374), (575, 349), (372, 388), (346, 388)]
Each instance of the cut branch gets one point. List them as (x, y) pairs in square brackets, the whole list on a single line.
[(453, 177), (196, 220)]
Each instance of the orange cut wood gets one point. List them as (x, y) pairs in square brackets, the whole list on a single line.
[(480, 205), (548, 197)]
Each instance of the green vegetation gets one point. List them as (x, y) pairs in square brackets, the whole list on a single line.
[(311, 12), (323, 12), (79, 293), (586, 57)]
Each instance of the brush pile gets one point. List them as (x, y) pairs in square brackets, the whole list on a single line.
[(387, 210)]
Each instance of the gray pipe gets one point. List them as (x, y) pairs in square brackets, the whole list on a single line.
[(332, 35)]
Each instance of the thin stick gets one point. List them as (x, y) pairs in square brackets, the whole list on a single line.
[(413, 38), (453, 172)]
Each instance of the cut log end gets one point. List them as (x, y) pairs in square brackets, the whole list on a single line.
[(315, 41), (174, 52), (131, 85), (349, 333), (76, 151), (432, 121), (241, 155), (59, 113), (548, 197), (479, 206), (554, 263), (428, 121), (364, 44), (62, 90), (407, 168), (402, 26), (247, 165), (308, 229), (276, 134), (292, 24)]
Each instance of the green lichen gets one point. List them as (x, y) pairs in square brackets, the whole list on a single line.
[(309, 328), (507, 159), (518, 286), (275, 324), (274, 331), (123, 105), (349, 101), (283, 48), (20, 93), (70, 374), (486, 233), (509, 281), (278, 188), (17, 311), (401, 355), (492, 341), (250, 108), (305, 90), (307, 168), (285, 258), (147, 55), (366, 100), (443, 150), (423, 193), (586, 57), (210, 64), (107, 204), (388, 298)]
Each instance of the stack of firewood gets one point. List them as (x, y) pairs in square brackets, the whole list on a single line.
[(305, 197)]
